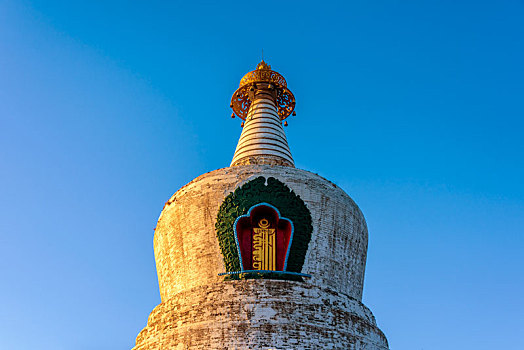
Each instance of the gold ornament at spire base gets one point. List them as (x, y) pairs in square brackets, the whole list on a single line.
[(263, 78)]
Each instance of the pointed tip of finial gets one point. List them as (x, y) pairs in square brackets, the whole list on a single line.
[(263, 65)]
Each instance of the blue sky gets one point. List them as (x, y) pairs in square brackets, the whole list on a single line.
[(415, 108)]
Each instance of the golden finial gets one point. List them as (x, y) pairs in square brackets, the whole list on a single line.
[(263, 65), (240, 102)]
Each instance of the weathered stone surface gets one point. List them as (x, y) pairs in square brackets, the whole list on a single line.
[(187, 252), (261, 314), (201, 311)]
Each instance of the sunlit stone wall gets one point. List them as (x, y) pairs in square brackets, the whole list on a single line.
[(186, 248), (261, 314), (201, 311)]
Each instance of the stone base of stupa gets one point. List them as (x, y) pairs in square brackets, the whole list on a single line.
[(261, 314)]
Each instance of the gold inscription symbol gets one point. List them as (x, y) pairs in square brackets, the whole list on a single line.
[(263, 223), (264, 247)]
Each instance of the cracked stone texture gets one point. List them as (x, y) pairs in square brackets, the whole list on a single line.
[(201, 311)]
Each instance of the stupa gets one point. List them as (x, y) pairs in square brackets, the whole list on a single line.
[(260, 254)]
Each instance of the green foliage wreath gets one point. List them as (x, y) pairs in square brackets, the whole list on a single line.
[(290, 206)]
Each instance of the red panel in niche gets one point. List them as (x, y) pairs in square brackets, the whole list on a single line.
[(263, 238)]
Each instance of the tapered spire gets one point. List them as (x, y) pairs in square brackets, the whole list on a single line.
[(263, 101)]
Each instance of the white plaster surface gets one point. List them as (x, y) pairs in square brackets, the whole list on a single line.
[(186, 247), (286, 315), (200, 310)]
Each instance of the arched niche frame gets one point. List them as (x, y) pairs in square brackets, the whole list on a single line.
[(285, 204), (263, 239)]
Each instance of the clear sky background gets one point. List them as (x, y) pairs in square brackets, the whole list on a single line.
[(415, 108)]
